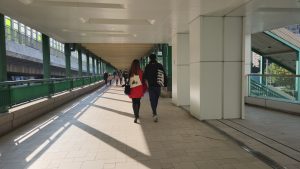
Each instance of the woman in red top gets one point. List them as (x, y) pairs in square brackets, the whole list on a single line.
[(137, 87)]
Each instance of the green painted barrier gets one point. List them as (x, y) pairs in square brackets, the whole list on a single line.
[(17, 92)]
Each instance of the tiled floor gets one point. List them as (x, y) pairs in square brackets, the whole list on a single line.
[(280, 126), (97, 131)]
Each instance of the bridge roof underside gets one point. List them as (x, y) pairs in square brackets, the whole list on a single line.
[(275, 50)]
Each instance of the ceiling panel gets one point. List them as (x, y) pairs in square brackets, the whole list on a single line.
[(119, 54)]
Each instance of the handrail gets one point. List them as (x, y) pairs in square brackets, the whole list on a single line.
[(18, 92), (273, 75), (42, 80)]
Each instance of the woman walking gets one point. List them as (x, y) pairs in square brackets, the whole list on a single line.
[(137, 87)]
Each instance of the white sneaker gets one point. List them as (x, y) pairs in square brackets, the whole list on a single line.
[(155, 118)]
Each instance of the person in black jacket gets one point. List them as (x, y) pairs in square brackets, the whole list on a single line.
[(155, 78), (105, 77)]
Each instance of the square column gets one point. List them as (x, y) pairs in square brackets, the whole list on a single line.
[(46, 56), (3, 58), (68, 59), (93, 65), (97, 66), (87, 63), (79, 61), (181, 70), (216, 67)]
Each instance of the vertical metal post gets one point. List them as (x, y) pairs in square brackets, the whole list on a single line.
[(88, 63), (68, 60), (46, 56), (169, 68), (3, 58), (4, 91), (298, 78), (100, 67), (93, 62), (97, 66), (263, 70), (79, 61), (165, 56)]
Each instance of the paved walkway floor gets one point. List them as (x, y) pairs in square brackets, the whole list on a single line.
[(277, 125), (97, 131)]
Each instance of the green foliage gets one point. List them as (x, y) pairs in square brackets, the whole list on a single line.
[(287, 84)]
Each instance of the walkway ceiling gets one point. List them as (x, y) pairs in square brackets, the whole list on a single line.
[(140, 21), (119, 54)]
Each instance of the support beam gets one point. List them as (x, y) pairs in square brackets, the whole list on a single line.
[(88, 63), (46, 56), (68, 60), (3, 58), (100, 66), (79, 61), (97, 66), (93, 66), (169, 68), (298, 78), (4, 92)]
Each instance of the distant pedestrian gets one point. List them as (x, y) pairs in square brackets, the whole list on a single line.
[(137, 87), (110, 78), (155, 78), (117, 78), (125, 75), (105, 77)]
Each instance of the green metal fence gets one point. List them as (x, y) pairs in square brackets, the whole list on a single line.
[(17, 92), (279, 87)]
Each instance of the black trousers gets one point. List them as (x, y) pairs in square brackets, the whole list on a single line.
[(136, 104), (154, 93)]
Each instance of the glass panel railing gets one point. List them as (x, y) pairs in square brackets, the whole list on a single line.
[(279, 87), (17, 37)]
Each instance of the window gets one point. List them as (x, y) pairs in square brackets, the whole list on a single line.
[(7, 21), (15, 25), (34, 34), (39, 36), (22, 29), (55, 44), (51, 42), (28, 31)]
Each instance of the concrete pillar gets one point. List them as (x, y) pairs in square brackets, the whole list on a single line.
[(46, 56), (181, 70), (68, 59), (216, 67)]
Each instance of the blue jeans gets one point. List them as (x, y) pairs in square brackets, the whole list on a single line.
[(154, 93)]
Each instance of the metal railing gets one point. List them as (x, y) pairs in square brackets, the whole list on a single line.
[(17, 92), (279, 87)]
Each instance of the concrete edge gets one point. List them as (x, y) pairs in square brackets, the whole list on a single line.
[(291, 108), (23, 114)]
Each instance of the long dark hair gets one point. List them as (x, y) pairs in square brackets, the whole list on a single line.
[(134, 68)]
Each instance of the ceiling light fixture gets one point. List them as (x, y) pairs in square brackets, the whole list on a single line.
[(121, 21), (79, 4), (26, 2), (82, 20)]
